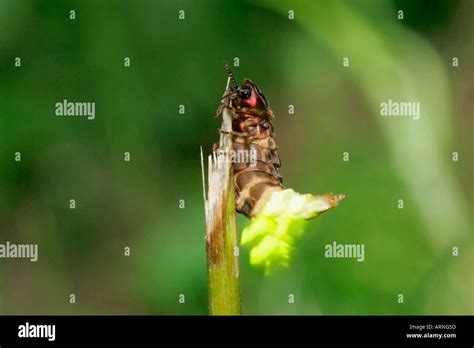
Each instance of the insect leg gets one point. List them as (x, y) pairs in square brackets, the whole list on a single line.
[(237, 134)]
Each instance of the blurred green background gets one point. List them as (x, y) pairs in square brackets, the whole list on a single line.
[(407, 251)]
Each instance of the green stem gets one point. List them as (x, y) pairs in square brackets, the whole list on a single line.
[(223, 264), (221, 237)]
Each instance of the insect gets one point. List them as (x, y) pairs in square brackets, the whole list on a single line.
[(252, 130), (277, 213)]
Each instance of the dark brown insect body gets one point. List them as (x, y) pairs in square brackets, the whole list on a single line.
[(252, 130)]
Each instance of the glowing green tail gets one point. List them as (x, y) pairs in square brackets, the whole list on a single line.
[(280, 222)]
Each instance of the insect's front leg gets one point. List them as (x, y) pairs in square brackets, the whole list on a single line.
[(220, 109), (226, 101), (234, 133)]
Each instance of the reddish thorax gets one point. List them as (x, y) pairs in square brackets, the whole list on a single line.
[(255, 113), (256, 100)]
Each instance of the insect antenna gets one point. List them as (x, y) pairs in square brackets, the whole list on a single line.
[(232, 78)]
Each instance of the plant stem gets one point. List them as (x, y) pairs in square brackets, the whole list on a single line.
[(221, 237)]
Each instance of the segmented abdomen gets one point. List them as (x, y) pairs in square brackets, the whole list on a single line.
[(254, 180)]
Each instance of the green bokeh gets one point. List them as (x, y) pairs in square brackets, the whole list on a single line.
[(175, 62)]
